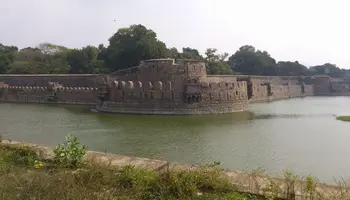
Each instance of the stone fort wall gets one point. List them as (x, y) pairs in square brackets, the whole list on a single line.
[(66, 95), (161, 98), (41, 80), (161, 86)]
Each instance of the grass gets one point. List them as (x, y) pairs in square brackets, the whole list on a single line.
[(25, 175), (343, 118)]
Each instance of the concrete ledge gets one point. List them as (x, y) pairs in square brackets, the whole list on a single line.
[(245, 182)]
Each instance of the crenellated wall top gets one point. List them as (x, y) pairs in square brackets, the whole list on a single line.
[(138, 85), (37, 88)]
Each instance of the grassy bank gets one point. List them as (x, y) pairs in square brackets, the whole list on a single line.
[(25, 175), (343, 118)]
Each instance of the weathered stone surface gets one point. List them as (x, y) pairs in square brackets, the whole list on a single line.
[(163, 86)]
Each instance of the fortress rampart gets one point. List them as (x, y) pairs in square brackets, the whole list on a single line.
[(164, 86), (41, 80), (64, 95)]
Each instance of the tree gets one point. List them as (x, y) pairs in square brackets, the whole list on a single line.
[(288, 68), (7, 56), (328, 69), (36, 61), (130, 45), (189, 53), (216, 63), (85, 60), (174, 53), (51, 49), (248, 60)]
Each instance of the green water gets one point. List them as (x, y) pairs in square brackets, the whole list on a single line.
[(297, 134)]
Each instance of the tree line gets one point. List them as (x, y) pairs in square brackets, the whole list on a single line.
[(128, 46)]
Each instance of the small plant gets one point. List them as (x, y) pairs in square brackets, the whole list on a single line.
[(310, 186), (38, 164), (290, 180), (21, 155), (69, 154)]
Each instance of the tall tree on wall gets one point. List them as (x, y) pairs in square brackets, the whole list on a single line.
[(248, 60), (216, 63), (130, 45), (189, 53), (174, 53)]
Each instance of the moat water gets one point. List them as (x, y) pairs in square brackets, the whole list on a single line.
[(297, 134)]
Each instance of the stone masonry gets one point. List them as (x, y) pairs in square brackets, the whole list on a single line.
[(163, 86)]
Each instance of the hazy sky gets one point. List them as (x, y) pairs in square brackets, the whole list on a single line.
[(310, 31)]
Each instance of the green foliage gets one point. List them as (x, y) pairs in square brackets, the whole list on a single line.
[(249, 61), (129, 45), (96, 181), (288, 68), (85, 60), (310, 184), (37, 61), (20, 156), (216, 63), (344, 118), (189, 53), (7, 55), (69, 154), (328, 69)]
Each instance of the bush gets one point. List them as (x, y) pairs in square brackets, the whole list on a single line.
[(69, 154), (21, 156)]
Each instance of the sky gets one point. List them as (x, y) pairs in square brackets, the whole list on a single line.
[(309, 31)]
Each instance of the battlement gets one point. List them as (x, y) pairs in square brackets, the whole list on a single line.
[(37, 88)]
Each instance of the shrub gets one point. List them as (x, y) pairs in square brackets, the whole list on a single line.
[(69, 154), (22, 156)]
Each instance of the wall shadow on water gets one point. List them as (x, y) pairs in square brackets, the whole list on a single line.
[(110, 120)]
